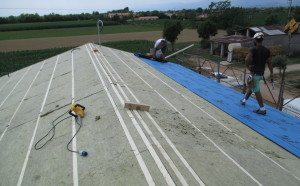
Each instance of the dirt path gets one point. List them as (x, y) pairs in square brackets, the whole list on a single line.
[(187, 35)]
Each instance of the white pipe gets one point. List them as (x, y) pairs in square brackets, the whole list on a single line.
[(179, 51), (99, 30)]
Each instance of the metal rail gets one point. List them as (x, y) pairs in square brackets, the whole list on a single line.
[(100, 28), (215, 66)]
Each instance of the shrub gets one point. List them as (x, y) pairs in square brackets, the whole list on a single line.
[(240, 53), (276, 50), (204, 43), (280, 62)]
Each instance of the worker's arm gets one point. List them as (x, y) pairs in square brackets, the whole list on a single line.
[(269, 61), (248, 61), (154, 53)]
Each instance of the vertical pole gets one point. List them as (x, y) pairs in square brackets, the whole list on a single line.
[(99, 30), (244, 81), (222, 50), (289, 44), (219, 71), (248, 33), (289, 10), (289, 34), (280, 97)]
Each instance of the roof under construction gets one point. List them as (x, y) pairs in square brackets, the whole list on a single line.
[(195, 133)]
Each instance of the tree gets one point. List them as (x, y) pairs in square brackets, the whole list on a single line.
[(199, 10), (218, 7), (126, 10), (189, 14), (297, 13), (162, 16), (12, 19), (29, 18), (116, 18), (233, 29), (226, 16), (3, 20), (233, 16), (280, 62), (171, 31), (207, 29), (174, 16), (272, 19)]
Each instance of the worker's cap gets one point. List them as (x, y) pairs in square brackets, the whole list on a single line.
[(259, 35)]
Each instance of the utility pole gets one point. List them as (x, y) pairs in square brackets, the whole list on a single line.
[(289, 10), (289, 33)]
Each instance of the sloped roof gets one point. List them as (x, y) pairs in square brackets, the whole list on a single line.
[(232, 39), (182, 140), (269, 30)]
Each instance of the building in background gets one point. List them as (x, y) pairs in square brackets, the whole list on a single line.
[(274, 35)]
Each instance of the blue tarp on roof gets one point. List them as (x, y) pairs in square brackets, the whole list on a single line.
[(277, 126)]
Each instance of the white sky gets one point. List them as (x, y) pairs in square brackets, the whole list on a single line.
[(16, 7)]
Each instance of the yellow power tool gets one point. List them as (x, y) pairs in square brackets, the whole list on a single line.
[(78, 109)]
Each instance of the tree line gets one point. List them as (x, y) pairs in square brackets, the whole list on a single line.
[(222, 13), (34, 18)]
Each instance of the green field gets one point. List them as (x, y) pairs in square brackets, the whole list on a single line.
[(13, 61), (144, 46), (51, 25), (64, 32)]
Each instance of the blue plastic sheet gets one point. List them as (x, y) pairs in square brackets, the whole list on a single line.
[(277, 126)]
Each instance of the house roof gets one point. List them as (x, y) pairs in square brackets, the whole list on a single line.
[(175, 143), (269, 30), (232, 39)]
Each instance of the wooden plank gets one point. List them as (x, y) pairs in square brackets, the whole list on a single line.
[(136, 106)]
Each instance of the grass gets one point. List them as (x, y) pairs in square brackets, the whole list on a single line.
[(51, 25), (295, 59), (292, 78), (13, 61), (63, 32), (144, 46), (160, 23), (295, 83)]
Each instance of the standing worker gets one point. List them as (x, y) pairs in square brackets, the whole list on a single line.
[(160, 49), (256, 60)]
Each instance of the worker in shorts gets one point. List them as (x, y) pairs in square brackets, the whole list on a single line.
[(256, 60), (160, 49)]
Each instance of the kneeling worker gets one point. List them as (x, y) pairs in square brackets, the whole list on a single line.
[(160, 49)]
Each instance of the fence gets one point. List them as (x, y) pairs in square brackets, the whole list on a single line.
[(233, 75)]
